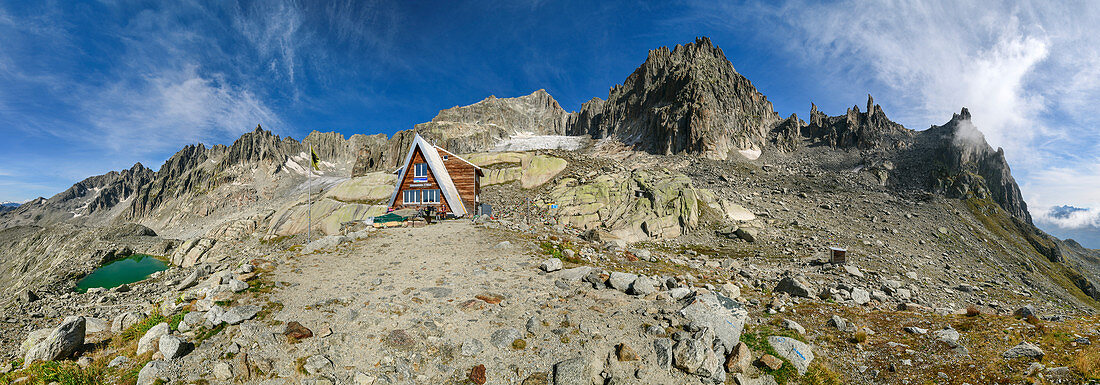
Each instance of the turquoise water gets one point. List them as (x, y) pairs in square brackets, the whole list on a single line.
[(132, 269)]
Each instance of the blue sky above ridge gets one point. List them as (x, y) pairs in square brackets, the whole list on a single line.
[(89, 87)]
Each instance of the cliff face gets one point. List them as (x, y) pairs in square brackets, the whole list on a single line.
[(689, 99)]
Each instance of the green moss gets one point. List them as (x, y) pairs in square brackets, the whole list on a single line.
[(205, 334)]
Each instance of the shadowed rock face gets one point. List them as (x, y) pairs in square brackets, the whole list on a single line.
[(689, 99), (862, 130), (89, 196), (965, 164)]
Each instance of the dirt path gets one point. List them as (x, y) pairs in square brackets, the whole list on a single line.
[(401, 303)]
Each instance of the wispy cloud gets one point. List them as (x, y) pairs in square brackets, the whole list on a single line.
[(173, 107), (273, 28)]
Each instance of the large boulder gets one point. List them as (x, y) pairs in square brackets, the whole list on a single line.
[(722, 315), (172, 347), (1024, 349), (153, 371), (62, 342), (33, 338), (795, 286), (124, 321), (638, 206), (695, 356), (151, 340), (238, 314), (621, 281), (529, 169)]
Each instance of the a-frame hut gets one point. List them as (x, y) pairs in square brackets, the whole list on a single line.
[(434, 177)]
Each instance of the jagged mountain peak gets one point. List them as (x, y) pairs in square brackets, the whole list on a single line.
[(870, 129), (960, 163), (688, 99)]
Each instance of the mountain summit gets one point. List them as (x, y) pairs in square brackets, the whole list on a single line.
[(686, 100)]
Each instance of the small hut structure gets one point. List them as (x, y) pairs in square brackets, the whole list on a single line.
[(434, 177)]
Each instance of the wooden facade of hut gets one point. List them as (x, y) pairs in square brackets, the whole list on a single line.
[(434, 177)]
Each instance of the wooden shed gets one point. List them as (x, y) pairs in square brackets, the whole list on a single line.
[(434, 177)]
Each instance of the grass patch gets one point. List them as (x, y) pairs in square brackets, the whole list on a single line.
[(558, 251), (174, 320), (260, 286), (757, 340), (204, 334), (274, 240), (270, 308), (820, 374), (64, 373), (1087, 363), (137, 330)]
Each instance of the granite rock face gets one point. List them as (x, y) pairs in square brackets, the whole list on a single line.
[(686, 100)]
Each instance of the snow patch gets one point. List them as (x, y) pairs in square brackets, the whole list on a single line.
[(526, 142), (295, 167), (750, 154)]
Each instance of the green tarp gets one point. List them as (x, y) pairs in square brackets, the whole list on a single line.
[(390, 217)]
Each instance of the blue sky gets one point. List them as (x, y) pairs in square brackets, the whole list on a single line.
[(88, 87)]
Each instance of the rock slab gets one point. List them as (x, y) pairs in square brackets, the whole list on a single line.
[(62, 342), (722, 315), (797, 353)]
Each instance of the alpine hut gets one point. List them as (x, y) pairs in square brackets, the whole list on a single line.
[(434, 177)]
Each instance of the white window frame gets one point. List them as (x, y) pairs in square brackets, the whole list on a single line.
[(410, 197), (431, 196), (420, 170)]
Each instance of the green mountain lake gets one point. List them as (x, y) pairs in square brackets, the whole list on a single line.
[(131, 269)]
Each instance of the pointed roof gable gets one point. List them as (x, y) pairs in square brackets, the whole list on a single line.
[(439, 171), (480, 172)]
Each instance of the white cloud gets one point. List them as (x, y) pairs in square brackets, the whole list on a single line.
[(1076, 185), (1084, 218)]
